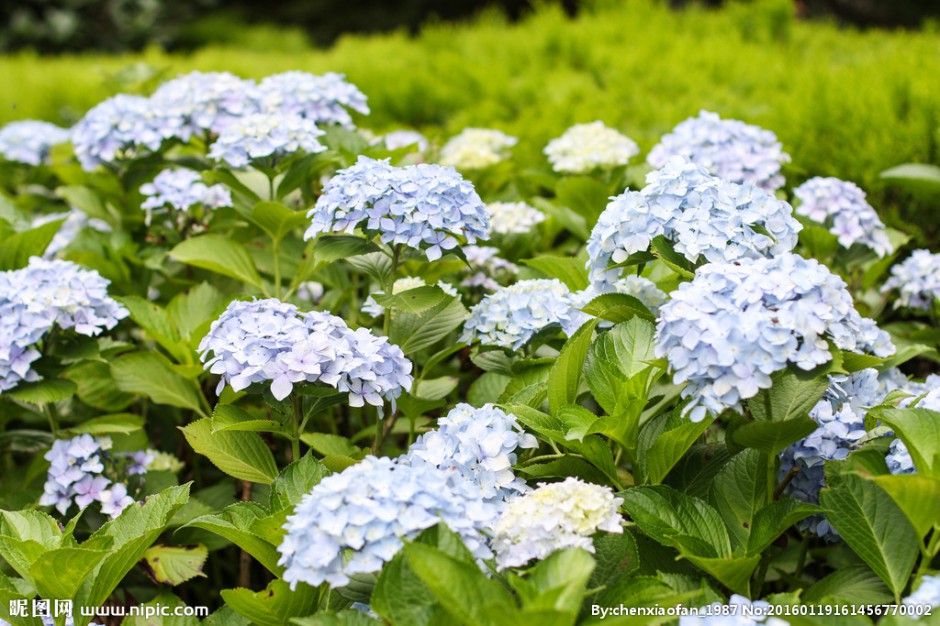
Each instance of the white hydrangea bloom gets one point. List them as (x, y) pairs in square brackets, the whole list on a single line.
[(553, 517), (29, 141), (732, 614), (508, 218), (586, 147), (476, 148)]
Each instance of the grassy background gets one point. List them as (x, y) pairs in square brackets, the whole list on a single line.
[(844, 103)]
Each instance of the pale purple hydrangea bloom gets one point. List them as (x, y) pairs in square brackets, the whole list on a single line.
[(355, 521), (586, 147), (842, 206), (208, 101), (478, 443), (29, 141), (553, 517), (705, 218), (732, 614), (487, 269), (41, 295), (269, 341), (262, 135), (730, 149), (477, 148), (123, 126), (725, 332), (511, 316), (425, 207), (927, 593), (320, 99), (182, 189), (917, 280)]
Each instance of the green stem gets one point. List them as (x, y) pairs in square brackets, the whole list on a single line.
[(271, 186), (276, 250), (53, 423), (928, 553), (295, 430), (801, 559), (389, 288), (761, 576)]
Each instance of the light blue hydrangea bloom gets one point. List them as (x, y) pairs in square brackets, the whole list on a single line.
[(271, 341), (29, 141), (917, 280), (487, 269), (841, 418), (425, 207), (725, 332), (182, 189), (208, 101), (927, 593), (121, 127), (478, 443), (262, 135), (355, 521), (705, 218), (402, 139), (41, 295), (842, 206), (899, 459), (730, 149), (76, 474), (732, 614), (320, 99), (511, 316)]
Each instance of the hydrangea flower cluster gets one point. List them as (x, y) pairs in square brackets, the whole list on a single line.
[(208, 101), (478, 443), (421, 206), (730, 149), (477, 148), (718, 614), (404, 138), (512, 315), (899, 459), (77, 474), (123, 125), (43, 294), (553, 517), (917, 280), (843, 206), (269, 340), (373, 308), (261, 135), (841, 418), (354, 522), (29, 141), (508, 218), (488, 269), (75, 222), (928, 593), (320, 99), (725, 332), (702, 215), (182, 189), (586, 147), (50, 621), (643, 289)]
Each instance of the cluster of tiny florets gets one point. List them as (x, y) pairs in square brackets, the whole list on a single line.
[(842, 206), (272, 341), (733, 614), (41, 295), (181, 190), (725, 332), (507, 218), (77, 474), (425, 207), (320, 99), (553, 517), (703, 216), (262, 135), (29, 141), (480, 444), (487, 269), (917, 280), (476, 148), (511, 316), (730, 149), (208, 101), (355, 521), (586, 147)]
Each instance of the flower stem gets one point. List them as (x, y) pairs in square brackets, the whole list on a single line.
[(295, 430), (276, 250)]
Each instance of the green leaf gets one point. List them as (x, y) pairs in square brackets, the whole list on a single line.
[(327, 444), (96, 386), (617, 307), (915, 177), (917, 495), (733, 573), (173, 565), (220, 255), (584, 195), (565, 376), (231, 417), (873, 526), (772, 437), (275, 605), (43, 391), (616, 558), (738, 491), (16, 249), (166, 601), (120, 423), (919, 429), (414, 300), (665, 250), (789, 397), (330, 248), (568, 270), (154, 319), (665, 440), (347, 617), (240, 454), (193, 308), (664, 513), (295, 481), (774, 519), (149, 374), (413, 332), (234, 523), (855, 584), (401, 598), (557, 583), (59, 573), (276, 219), (462, 589)]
